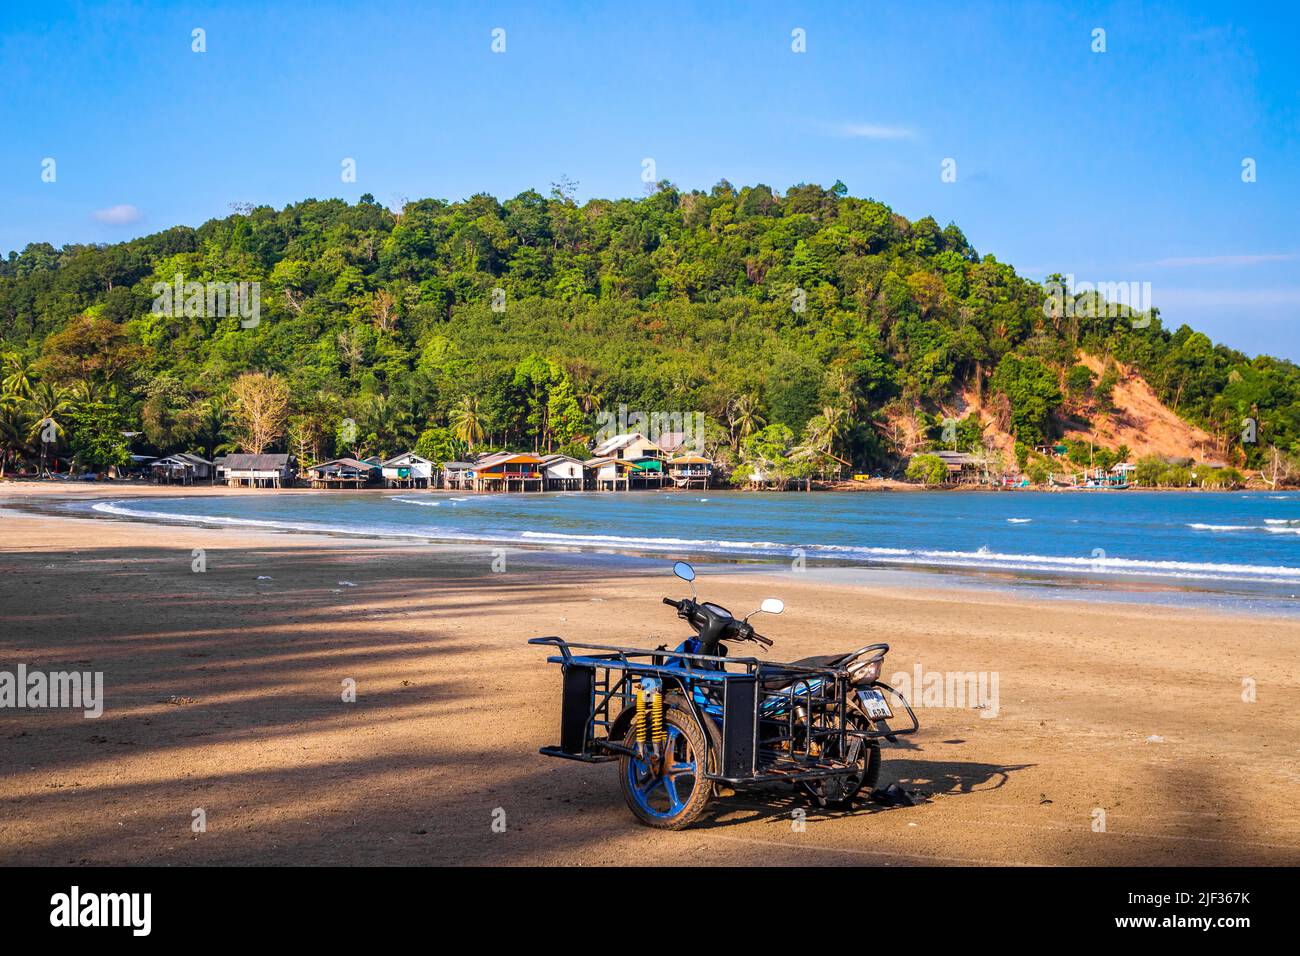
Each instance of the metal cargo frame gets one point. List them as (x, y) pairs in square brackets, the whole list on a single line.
[(774, 720)]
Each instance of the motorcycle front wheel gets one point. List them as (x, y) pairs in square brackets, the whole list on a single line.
[(672, 793)]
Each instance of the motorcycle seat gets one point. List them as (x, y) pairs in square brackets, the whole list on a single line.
[(821, 660), (783, 679)]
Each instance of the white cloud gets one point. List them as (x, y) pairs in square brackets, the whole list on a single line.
[(123, 215), (1252, 259), (1225, 298), (871, 131)]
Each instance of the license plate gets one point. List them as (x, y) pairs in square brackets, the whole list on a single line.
[(874, 704)]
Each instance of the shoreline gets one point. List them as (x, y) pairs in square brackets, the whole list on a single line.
[(1057, 585), (856, 487)]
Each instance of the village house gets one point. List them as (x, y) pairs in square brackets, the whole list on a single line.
[(408, 471), (961, 466), (673, 443), (508, 471), (690, 471), (458, 475), (343, 473), (630, 446), (561, 473), (182, 469), (258, 471), (647, 472), (608, 474)]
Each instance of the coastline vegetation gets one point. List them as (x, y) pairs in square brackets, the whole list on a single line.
[(804, 326)]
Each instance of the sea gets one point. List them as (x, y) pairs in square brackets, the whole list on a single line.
[(1236, 550)]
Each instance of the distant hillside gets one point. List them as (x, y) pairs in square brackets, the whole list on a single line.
[(805, 327)]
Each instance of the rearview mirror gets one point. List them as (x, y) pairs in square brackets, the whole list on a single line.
[(772, 606), (684, 571)]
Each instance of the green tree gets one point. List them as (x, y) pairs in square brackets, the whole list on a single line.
[(96, 436), (1030, 388), (928, 469)]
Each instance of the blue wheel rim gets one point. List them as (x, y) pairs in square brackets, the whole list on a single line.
[(665, 795)]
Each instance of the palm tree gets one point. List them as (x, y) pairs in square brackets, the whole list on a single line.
[(87, 391), (210, 431), (47, 404), (17, 379), (744, 418), (589, 392), (467, 421), (391, 422), (13, 431)]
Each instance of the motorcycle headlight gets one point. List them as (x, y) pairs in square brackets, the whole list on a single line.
[(866, 672)]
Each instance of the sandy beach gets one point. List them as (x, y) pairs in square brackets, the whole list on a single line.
[(223, 693)]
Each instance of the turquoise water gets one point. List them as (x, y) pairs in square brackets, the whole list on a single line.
[(1230, 542)]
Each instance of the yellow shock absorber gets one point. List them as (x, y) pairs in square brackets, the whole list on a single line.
[(640, 716), (657, 731)]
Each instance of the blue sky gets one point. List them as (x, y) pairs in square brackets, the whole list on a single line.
[(1117, 166)]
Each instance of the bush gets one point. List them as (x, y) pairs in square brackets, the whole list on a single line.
[(1106, 387), (1078, 380), (1208, 477), (1038, 473), (1106, 458), (1078, 452), (440, 445), (1149, 471), (928, 469), (1030, 387)]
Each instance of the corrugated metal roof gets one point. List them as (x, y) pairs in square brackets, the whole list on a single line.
[(257, 462)]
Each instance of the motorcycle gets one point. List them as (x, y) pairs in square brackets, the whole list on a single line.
[(684, 725)]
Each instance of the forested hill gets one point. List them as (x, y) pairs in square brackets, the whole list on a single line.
[(812, 319)]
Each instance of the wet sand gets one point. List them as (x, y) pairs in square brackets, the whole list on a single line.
[(223, 693)]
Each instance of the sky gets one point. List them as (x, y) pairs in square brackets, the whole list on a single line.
[(1115, 165)]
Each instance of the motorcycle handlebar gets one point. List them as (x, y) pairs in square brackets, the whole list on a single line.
[(742, 629)]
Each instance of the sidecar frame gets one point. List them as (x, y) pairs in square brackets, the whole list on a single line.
[(801, 708)]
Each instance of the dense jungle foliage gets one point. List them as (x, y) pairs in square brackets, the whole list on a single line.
[(802, 325)]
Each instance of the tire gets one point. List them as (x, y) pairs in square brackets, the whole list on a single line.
[(841, 791), (676, 800)]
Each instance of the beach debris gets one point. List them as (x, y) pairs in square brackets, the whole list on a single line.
[(892, 796), (178, 700), (1155, 739), (1042, 799), (347, 584)]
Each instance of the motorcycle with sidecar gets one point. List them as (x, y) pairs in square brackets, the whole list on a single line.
[(686, 723)]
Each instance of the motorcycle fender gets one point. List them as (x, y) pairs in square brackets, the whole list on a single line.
[(880, 723), (618, 729)]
